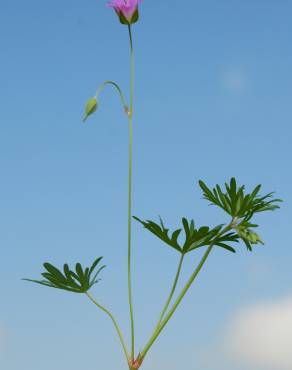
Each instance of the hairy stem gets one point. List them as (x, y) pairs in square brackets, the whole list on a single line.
[(118, 330), (130, 115)]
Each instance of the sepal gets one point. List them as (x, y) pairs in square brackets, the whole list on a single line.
[(125, 21)]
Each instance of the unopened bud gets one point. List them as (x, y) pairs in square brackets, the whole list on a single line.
[(257, 238), (90, 108)]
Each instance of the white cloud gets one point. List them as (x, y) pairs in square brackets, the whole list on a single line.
[(260, 336)]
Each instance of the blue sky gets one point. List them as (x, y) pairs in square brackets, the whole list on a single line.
[(213, 100)]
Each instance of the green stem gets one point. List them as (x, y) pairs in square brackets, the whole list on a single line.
[(130, 115), (103, 85), (177, 302), (114, 322), (182, 294), (171, 292)]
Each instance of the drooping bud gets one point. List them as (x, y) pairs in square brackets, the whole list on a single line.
[(90, 108)]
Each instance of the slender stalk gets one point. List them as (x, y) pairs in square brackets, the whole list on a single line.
[(171, 292), (182, 294), (130, 115), (104, 84), (114, 322), (177, 302)]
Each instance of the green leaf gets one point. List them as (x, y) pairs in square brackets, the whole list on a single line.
[(161, 232), (225, 246), (186, 227), (192, 227), (236, 202), (70, 280), (93, 266), (208, 193), (233, 188), (193, 238), (80, 273), (41, 282), (54, 272), (175, 236), (77, 282), (224, 199), (94, 280)]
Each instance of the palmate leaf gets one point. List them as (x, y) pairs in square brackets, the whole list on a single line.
[(78, 281), (193, 238), (241, 206), (236, 202), (162, 233)]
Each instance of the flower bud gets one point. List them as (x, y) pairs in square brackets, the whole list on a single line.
[(90, 108), (127, 10), (256, 238)]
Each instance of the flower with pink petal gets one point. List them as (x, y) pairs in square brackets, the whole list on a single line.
[(127, 10)]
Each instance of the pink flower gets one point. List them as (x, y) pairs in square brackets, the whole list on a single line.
[(127, 10)]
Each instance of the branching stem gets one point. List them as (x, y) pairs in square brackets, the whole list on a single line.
[(182, 294)]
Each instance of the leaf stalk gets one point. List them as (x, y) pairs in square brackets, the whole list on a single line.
[(182, 294), (114, 321)]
